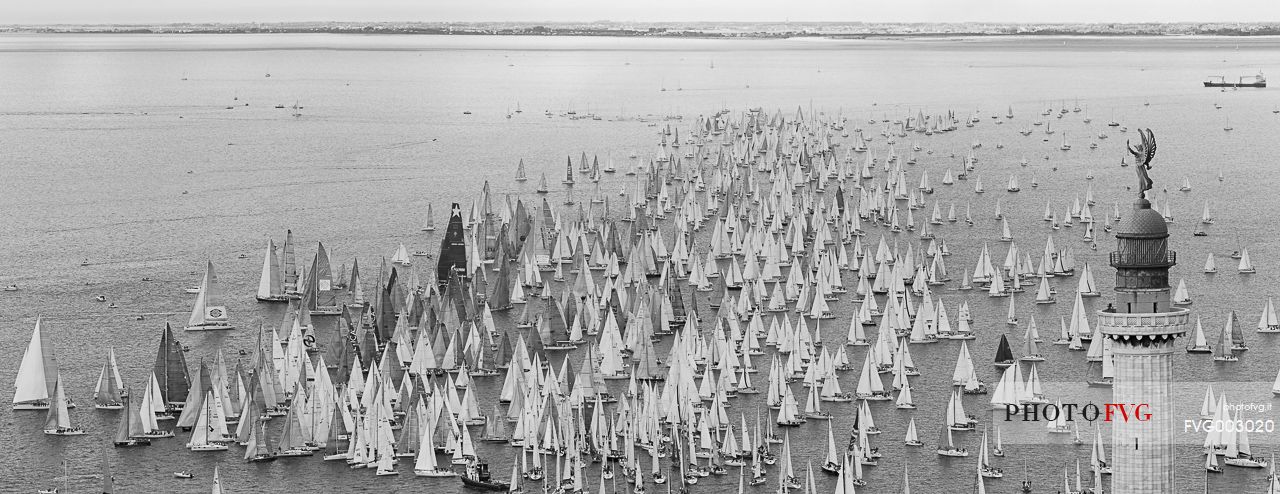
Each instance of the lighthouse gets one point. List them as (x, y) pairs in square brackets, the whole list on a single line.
[(1142, 324)]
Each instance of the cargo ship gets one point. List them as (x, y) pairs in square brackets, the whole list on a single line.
[(1243, 81)]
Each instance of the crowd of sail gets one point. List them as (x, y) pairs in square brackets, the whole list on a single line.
[(722, 260)]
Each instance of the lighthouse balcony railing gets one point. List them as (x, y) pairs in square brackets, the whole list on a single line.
[(1138, 260), (1175, 321)]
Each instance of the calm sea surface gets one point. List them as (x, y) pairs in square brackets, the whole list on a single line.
[(120, 150)]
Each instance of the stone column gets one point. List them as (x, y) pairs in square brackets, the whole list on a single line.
[(1143, 450)]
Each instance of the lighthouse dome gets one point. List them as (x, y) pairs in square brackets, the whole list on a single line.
[(1143, 222)]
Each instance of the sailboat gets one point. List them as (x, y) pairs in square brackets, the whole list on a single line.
[(58, 421), (271, 283), (1199, 344), (912, 438), (453, 249), (947, 447), (429, 225), (210, 429), (106, 396), (130, 428), (520, 173), (1246, 266), (208, 314), (1268, 323), (542, 184), (832, 465), (258, 449), (984, 462), (1239, 451), (1224, 351), (401, 256), (1004, 355), (568, 176), (1211, 463), (37, 374), (1181, 296), (426, 465)]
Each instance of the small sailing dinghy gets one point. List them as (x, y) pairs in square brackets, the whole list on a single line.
[(208, 313)]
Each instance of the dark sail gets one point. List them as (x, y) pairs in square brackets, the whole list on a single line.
[(1003, 353), (171, 368), (453, 251), (501, 298)]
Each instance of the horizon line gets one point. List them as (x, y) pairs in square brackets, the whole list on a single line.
[(662, 22)]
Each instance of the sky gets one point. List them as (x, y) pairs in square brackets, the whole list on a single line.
[(1020, 11)]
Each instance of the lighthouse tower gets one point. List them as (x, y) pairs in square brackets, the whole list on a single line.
[(1142, 325)]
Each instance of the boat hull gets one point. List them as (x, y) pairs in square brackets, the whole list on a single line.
[(435, 473), (1235, 84), (486, 486), (210, 327)]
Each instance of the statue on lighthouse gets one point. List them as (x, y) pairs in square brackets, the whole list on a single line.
[(1142, 156)]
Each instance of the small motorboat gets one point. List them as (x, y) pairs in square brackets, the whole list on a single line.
[(191, 289), (11, 288), (100, 298), (183, 475), (477, 477)]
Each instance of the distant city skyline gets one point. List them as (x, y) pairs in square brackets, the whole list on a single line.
[(925, 11)]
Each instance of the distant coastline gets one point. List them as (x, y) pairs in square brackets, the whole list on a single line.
[(835, 30)]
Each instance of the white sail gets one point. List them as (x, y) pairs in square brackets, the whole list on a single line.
[(31, 383), (208, 312), (271, 281), (1246, 265)]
